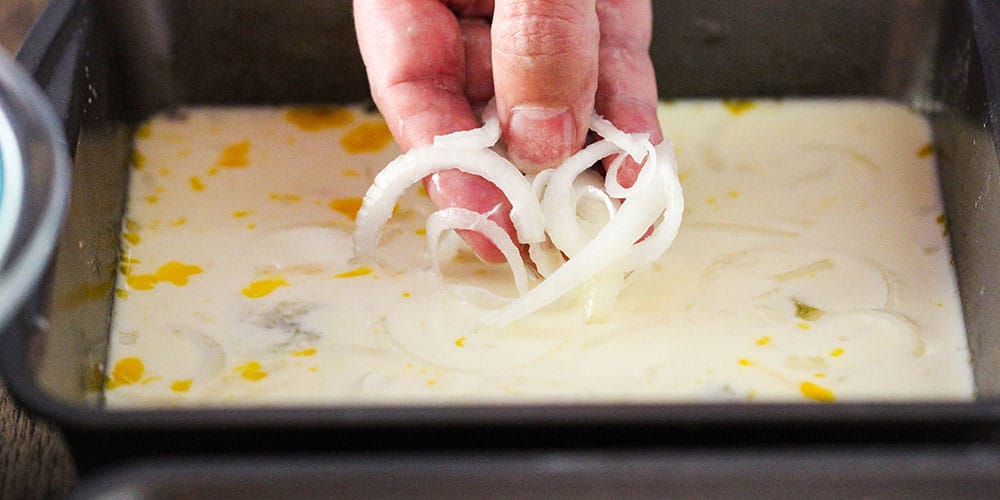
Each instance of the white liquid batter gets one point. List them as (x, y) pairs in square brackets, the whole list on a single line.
[(812, 264)]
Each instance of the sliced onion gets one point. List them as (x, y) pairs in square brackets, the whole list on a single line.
[(545, 213), (408, 169), (540, 181), (546, 257), (612, 243), (663, 235), (633, 144), (462, 218), (558, 204), (478, 138), (598, 195), (590, 186), (602, 293), (614, 187)]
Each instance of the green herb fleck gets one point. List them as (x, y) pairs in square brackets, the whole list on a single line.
[(807, 312)]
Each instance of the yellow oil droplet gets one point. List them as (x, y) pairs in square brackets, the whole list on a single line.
[(179, 222), (126, 264), (406, 295), (711, 200), (132, 238), (173, 272), (368, 137), (152, 198), (121, 293), (235, 155), (241, 213), (819, 375), (212, 171), (925, 151), (816, 392), (733, 194), (837, 352), (251, 226), (138, 160), (319, 118), (460, 342), (165, 172), (431, 383), (264, 287), (181, 385), (314, 369), (804, 326), (738, 106), (354, 273), (420, 231), (763, 340), (305, 352), (144, 132), (745, 362), (285, 197), (196, 183), (127, 371), (142, 281), (350, 172), (251, 371), (347, 206)]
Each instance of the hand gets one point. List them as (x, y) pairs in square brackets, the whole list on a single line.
[(551, 63)]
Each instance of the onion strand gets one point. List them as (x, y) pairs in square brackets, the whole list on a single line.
[(548, 213)]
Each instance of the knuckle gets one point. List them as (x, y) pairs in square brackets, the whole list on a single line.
[(546, 29)]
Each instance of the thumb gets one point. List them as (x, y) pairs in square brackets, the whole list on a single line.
[(545, 70)]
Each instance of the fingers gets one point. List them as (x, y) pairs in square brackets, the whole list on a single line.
[(415, 53), (550, 63), (545, 72), (454, 188), (626, 89), (415, 58), (478, 64)]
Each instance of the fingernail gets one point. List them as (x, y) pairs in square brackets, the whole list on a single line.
[(539, 138)]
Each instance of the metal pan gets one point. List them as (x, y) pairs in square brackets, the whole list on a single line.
[(107, 65)]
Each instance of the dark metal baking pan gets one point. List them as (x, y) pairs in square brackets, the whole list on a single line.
[(859, 473), (108, 64)]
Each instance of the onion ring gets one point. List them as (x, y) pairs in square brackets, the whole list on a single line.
[(545, 212), (462, 218), (408, 169)]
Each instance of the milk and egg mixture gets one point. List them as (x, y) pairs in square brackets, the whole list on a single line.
[(812, 264)]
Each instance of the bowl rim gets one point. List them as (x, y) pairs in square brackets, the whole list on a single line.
[(11, 185), (25, 110)]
